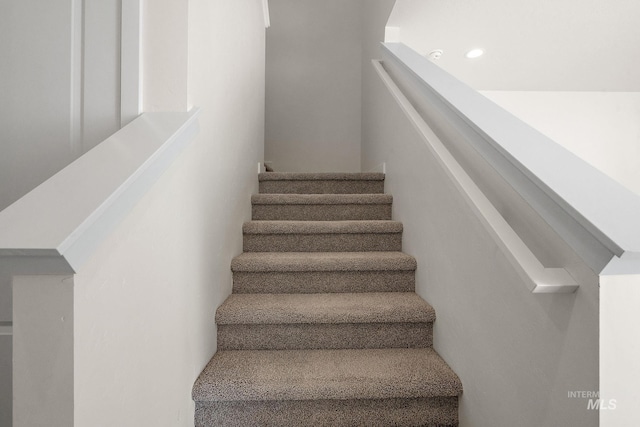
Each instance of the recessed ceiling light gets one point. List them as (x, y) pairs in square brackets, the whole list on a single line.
[(474, 53), (434, 55)]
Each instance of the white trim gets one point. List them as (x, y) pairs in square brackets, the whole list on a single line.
[(538, 278), (130, 62), (265, 11), (43, 349), (70, 214), (76, 78), (619, 371), (379, 168)]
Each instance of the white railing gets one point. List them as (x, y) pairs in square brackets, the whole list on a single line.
[(538, 278), (543, 172), (48, 235), (594, 215), (76, 208)]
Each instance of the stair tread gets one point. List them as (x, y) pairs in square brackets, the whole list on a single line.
[(321, 199), (321, 176), (321, 227), (383, 307), (325, 374), (323, 261)]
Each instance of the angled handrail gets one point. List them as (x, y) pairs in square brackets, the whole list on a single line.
[(64, 219), (591, 212), (539, 279)]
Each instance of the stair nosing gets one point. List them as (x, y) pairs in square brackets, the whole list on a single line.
[(342, 308), (238, 375)]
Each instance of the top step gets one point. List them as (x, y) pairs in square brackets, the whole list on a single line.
[(321, 183)]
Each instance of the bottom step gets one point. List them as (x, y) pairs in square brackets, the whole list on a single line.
[(336, 387), (430, 412)]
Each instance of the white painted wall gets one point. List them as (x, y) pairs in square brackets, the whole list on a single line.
[(602, 128), (165, 65), (43, 350), (101, 71), (145, 302), (38, 93), (313, 102), (375, 14), (517, 354)]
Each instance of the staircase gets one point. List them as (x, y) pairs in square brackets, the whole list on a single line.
[(323, 327)]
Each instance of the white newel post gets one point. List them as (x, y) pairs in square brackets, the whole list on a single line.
[(43, 351), (620, 343)]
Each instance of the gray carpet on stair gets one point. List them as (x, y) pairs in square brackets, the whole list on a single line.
[(326, 374), (322, 199), (325, 308), (349, 281), (324, 327), (321, 183), (418, 412), (321, 207), (314, 336), (323, 261), (321, 176), (321, 227), (322, 236)]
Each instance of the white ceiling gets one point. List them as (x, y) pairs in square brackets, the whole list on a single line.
[(543, 45)]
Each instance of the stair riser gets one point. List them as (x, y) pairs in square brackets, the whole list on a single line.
[(361, 242), (433, 412), (324, 336), (323, 281), (321, 212), (321, 187)]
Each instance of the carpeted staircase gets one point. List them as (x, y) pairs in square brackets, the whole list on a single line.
[(323, 327)]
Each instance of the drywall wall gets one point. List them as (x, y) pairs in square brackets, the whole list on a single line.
[(43, 350), (313, 99), (603, 128), (145, 302), (165, 69), (375, 14), (38, 94), (518, 354)]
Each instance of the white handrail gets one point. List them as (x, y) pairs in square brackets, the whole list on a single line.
[(63, 220), (538, 278), (591, 212)]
